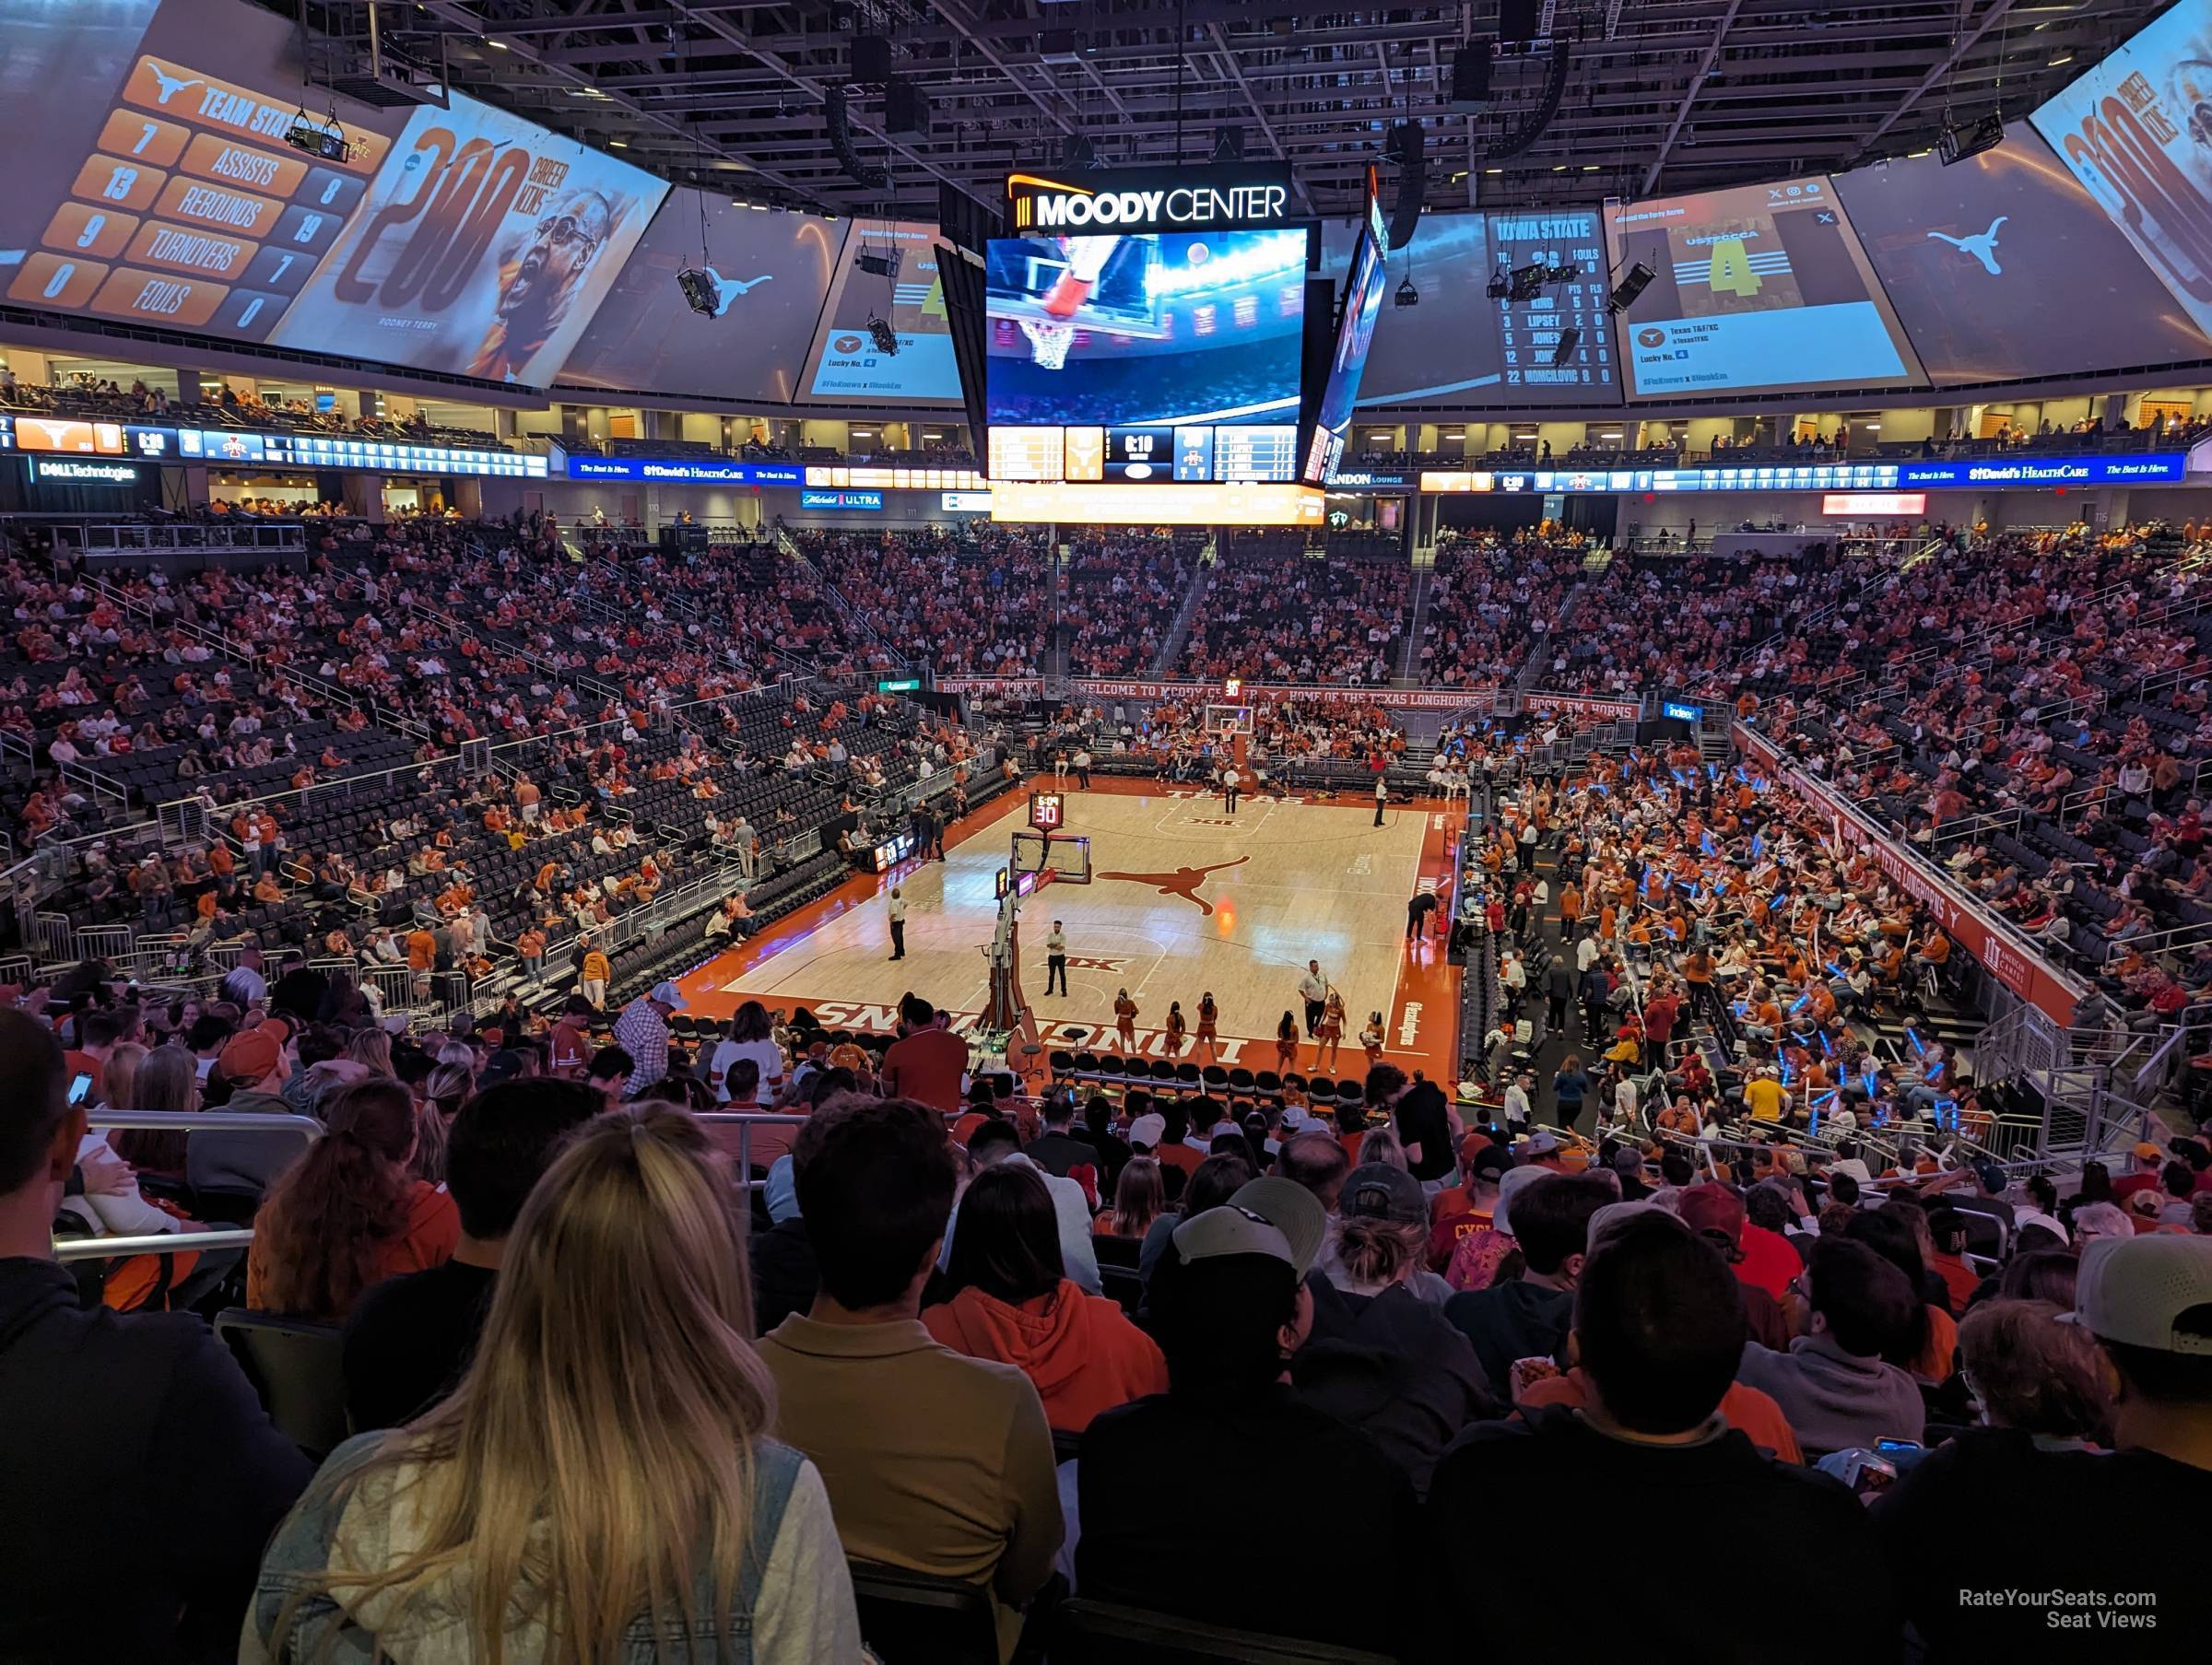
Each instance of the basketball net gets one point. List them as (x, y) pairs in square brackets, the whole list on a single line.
[(1049, 342)]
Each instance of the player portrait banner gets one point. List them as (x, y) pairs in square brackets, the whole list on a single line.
[(2002, 951), (2133, 131), (484, 247), (1389, 700)]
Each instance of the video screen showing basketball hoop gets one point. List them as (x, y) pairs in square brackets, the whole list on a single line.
[(1172, 328), (1758, 287)]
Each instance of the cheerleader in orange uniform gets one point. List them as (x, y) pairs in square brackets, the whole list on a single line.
[(1209, 1014), (1329, 1038)]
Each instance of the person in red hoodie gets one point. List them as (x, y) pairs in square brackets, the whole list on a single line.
[(1015, 1306)]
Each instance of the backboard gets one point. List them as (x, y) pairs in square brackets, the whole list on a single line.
[(1065, 856)]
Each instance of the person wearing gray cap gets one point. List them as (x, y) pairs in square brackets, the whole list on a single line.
[(1381, 1358), (1231, 1310), (2147, 1302)]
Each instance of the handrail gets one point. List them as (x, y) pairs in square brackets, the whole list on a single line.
[(745, 1121), (205, 1121), (67, 1250)]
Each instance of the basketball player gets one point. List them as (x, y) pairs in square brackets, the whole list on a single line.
[(1055, 958)]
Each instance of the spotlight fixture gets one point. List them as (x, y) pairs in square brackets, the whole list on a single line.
[(1528, 282), (1628, 288), (1983, 132), (1407, 296), (1565, 273), (324, 141), (1569, 338), (702, 290), (884, 337), (1500, 285), (1971, 140), (878, 263)]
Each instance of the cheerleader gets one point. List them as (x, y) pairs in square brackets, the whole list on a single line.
[(1209, 1016), (1124, 1021)]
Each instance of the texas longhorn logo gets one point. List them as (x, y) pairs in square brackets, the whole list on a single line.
[(1183, 881)]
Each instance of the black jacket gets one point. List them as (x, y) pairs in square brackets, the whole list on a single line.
[(1261, 1464), (785, 1276), (139, 1480), (1392, 1366), (1720, 1492)]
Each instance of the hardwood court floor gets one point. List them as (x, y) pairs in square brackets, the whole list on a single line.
[(1182, 900)]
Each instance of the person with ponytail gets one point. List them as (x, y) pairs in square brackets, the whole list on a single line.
[(601, 1485), (348, 1213)]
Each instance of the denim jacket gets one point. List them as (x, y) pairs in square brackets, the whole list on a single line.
[(440, 1631)]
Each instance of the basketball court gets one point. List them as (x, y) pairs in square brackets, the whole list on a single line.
[(1182, 899)]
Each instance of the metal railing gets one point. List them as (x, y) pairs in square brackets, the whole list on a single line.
[(745, 1121)]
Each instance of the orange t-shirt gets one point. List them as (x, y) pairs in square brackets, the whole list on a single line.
[(1753, 1414), (425, 1238)]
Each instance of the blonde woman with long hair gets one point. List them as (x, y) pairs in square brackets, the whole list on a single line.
[(601, 1479)]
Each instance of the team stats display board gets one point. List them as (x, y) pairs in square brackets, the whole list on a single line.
[(844, 364), (1757, 288), (1172, 355), (460, 240), (1459, 339)]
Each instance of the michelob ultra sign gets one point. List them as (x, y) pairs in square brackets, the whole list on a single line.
[(1217, 197)]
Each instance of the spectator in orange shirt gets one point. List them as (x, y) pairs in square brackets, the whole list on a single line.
[(347, 1214)]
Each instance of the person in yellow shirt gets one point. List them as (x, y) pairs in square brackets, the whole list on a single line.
[(1763, 1096)]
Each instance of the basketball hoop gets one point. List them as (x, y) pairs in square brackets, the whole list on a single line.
[(1049, 342)]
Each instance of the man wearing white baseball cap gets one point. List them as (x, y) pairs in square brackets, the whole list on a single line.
[(642, 1032), (2147, 1302)]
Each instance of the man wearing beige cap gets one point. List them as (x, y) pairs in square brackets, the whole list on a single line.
[(2146, 1304)]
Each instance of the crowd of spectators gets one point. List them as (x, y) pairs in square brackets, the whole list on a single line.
[(1492, 603), (1300, 621), (2032, 712), (94, 397), (965, 1334)]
